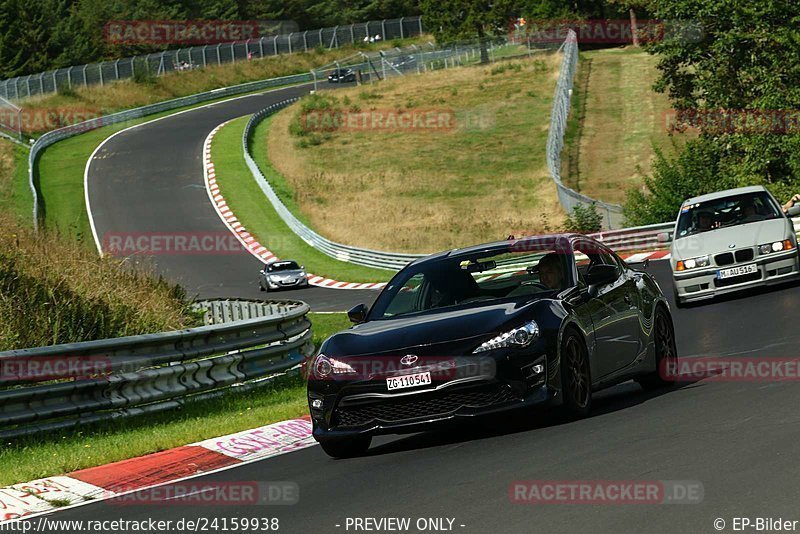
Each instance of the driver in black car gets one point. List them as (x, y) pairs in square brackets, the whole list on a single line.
[(551, 271)]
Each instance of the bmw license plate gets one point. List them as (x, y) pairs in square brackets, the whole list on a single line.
[(408, 381), (737, 271)]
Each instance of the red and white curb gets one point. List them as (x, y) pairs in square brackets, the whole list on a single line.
[(246, 238), (117, 479), (641, 256)]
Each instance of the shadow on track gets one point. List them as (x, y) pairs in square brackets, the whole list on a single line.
[(616, 398)]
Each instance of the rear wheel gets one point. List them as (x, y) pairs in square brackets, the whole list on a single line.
[(666, 352), (346, 447), (576, 377)]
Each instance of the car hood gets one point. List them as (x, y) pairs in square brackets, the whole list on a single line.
[(293, 273), (446, 333), (721, 239)]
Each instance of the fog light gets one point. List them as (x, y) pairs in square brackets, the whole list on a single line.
[(316, 404)]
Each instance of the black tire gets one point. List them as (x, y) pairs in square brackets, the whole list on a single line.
[(666, 352), (346, 447), (576, 377)]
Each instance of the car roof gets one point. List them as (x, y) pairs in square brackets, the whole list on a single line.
[(499, 247), (726, 193)]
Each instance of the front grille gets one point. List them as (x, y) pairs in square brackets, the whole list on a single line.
[(723, 259), (414, 407), (746, 254), (737, 279)]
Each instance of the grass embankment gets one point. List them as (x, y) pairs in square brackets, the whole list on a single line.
[(64, 452), (425, 189), (252, 208), (617, 120), (15, 197)]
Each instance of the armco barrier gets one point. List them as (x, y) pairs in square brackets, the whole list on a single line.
[(149, 373), (63, 133)]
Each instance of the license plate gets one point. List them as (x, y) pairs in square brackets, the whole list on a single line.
[(737, 271), (408, 381)]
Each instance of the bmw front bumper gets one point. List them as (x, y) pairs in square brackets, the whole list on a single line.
[(701, 284)]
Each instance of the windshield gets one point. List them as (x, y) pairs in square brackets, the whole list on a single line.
[(727, 211), (283, 266), (480, 278)]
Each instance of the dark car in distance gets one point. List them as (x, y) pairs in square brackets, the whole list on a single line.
[(342, 76), (534, 321)]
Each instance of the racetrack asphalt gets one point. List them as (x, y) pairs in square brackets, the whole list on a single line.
[(739, 439), (147, 182)]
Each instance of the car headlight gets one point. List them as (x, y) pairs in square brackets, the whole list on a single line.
[(274, 278), (324, 367), (777, 246), (692, 263), (518, 338)]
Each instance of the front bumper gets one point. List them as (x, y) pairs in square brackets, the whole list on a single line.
[(703, 284), (300, 282), (365, 407)]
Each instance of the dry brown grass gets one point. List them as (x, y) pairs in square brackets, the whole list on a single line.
[(128, 94), (623, 119), (423, 191)]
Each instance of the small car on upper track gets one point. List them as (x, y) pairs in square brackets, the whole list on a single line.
[(532, 321), (282, 274), (731, 240)]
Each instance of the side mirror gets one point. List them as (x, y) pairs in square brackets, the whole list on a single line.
[(663, 237), (358, 314), (600, 275), (794, 211)]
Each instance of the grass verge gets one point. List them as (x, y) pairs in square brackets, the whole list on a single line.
[(252, 208), (15, 197), (479, 178), (101, 444), (617, 120)]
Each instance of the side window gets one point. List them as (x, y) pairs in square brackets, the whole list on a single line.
[(588, 254)]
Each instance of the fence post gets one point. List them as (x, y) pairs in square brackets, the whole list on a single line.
[(219, 59), (275, 45), (28, 84), (352, 34), (69, 76), (85, 81), (233, 53), (305, 40), (41, 84), (401, 28), (100, 67), (383, 29), (419, 20), (290, 42), (204, 55), (261, 47), (55, 82), (335, 37)]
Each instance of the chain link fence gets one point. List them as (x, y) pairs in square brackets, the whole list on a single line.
[(10, 120), (569, 198), (200, 56)]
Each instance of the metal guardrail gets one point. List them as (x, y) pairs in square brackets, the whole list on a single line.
[(569, 198), (63, 133), (116, 378), (201, 56)]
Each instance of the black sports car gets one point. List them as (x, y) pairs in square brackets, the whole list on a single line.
[(342, 76), (538, 320)]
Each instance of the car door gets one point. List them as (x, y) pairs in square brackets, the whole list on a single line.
[(613, 310)]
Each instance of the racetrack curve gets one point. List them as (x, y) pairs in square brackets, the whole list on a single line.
[(738, 439), (147, 181)]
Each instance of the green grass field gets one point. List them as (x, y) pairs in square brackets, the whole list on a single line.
[(15, 196), (63, 452), (253, 209), (616, 121)]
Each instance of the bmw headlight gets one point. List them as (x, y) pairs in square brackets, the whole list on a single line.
[(517, 338), (324, 367), (777, 246), (692, 263)]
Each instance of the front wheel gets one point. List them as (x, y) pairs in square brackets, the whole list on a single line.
[(576, 377), (666, 353), (346, 447)]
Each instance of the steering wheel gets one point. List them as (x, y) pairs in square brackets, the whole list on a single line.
[(537, 284)]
